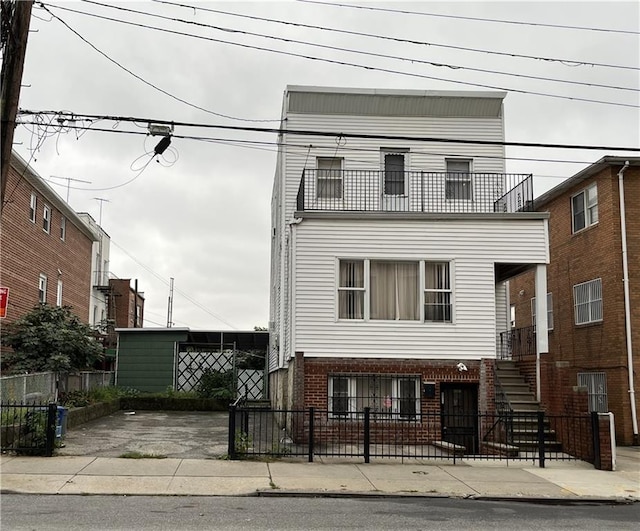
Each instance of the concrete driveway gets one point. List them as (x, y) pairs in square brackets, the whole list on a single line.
[(178, 434)]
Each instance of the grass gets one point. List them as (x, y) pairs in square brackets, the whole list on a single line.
[(140, 455)]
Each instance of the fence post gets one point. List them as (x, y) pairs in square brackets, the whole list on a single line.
[(367, 419), (311, 414), (52, 412), (541, 444), (595, 432), (231, 447)]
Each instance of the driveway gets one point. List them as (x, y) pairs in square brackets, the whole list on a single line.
[(179, 434)]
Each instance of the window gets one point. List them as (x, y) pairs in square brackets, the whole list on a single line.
[(587, 301), (388, 397), (437, 292), (549, 311), (63, 228), (394, 176), (46, 219), (329, 178), (59, 294), (394, 291), (351, 289), (596, 384), (385, 290), (458, 180), (42, 289), (584, 208), (33, 208)]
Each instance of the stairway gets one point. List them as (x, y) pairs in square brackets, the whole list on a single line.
[(524, 406)]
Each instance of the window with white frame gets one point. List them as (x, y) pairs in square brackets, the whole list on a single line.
[(351, 289), (584, 208), (388, 397), (59, 294), (587, 301), (549, 311), (596, 384), (63, 228), (437, 292), (394, 174), (391, 290), (329, 178), (46, 219), (42, 288), (458, 180), (33, 208)]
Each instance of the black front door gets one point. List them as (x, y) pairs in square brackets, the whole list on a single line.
[(459, 415)]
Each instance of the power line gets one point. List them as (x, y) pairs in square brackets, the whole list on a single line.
[(477, 19), (567, 62), (140, 78), (67, 116), (345, 63), (361, 52)]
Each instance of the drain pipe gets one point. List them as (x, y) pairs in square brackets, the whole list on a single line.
[(627, 302)]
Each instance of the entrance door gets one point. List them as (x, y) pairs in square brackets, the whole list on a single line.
[(395, 188), (459, 415)]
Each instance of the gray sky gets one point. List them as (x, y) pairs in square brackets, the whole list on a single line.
[(205, 219)]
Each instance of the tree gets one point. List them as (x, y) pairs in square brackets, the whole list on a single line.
[(50, 338)]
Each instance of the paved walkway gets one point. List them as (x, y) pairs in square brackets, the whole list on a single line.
[(559, 481)]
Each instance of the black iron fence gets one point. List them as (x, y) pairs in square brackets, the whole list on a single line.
[(28, 429), (516, 343), (309, 433), (414, 191)]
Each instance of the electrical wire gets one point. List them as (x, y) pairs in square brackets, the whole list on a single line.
[(365, 53), (350, 64), (477, 19), (566, 62), (307, 132), (140, 78)]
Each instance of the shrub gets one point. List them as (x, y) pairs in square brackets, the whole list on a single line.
[(216, 384)]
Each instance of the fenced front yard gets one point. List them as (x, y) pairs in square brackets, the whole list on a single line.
[(308, 433), (41, 387)]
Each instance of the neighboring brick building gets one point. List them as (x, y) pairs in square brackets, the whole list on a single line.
[(590, 331), (126, 304), (46, 247)]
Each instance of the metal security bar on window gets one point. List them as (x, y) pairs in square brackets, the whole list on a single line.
[(588, 301), (596, 384)]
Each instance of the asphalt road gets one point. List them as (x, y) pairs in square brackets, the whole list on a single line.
[(71, 513)]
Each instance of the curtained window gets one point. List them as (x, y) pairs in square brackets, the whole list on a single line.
[(394, 291)]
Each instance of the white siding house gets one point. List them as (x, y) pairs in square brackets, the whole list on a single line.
[(394, 232)]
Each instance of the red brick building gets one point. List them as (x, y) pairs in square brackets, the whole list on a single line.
[(594, 333), (126, 304), (46, 247)]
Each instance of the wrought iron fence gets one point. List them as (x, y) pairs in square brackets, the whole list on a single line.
[(414, 191), (28, 429), (532, 436), (516, 343)]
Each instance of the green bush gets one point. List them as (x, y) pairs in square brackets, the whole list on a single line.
[(216, 384)]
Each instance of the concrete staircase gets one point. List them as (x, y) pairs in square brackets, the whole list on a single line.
[(524, 406)]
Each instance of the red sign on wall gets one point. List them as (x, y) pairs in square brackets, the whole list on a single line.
[(4, 297)]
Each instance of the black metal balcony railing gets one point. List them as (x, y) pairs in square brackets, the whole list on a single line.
[(414, 191), (516, 343)]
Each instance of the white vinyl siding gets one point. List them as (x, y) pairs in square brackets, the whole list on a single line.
[(473, 247), (587, 302)]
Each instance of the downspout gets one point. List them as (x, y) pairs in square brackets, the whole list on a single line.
[(627, 302), (292, 276)]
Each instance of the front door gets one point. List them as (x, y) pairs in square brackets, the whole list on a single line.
[(459, 415), (395, 188)]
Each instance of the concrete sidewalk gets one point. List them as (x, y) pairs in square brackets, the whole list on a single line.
[(559, 481)]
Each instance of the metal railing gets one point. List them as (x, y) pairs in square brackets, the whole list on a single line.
[(516, 343), (532, 436), (414, 191), (28, 429)]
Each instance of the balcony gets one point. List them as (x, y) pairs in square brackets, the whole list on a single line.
[(101, 280), (414, 191)]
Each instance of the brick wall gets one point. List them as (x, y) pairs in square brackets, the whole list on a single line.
[(28, 251), (592, 253)]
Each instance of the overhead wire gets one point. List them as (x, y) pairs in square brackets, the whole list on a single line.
[(566, 62), (477, 19), (362, 52), (350, 64)]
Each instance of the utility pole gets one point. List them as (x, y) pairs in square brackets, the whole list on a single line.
[(170, 308), (15, 30)]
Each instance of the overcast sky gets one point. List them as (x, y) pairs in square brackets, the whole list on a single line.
[(201, 214)]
